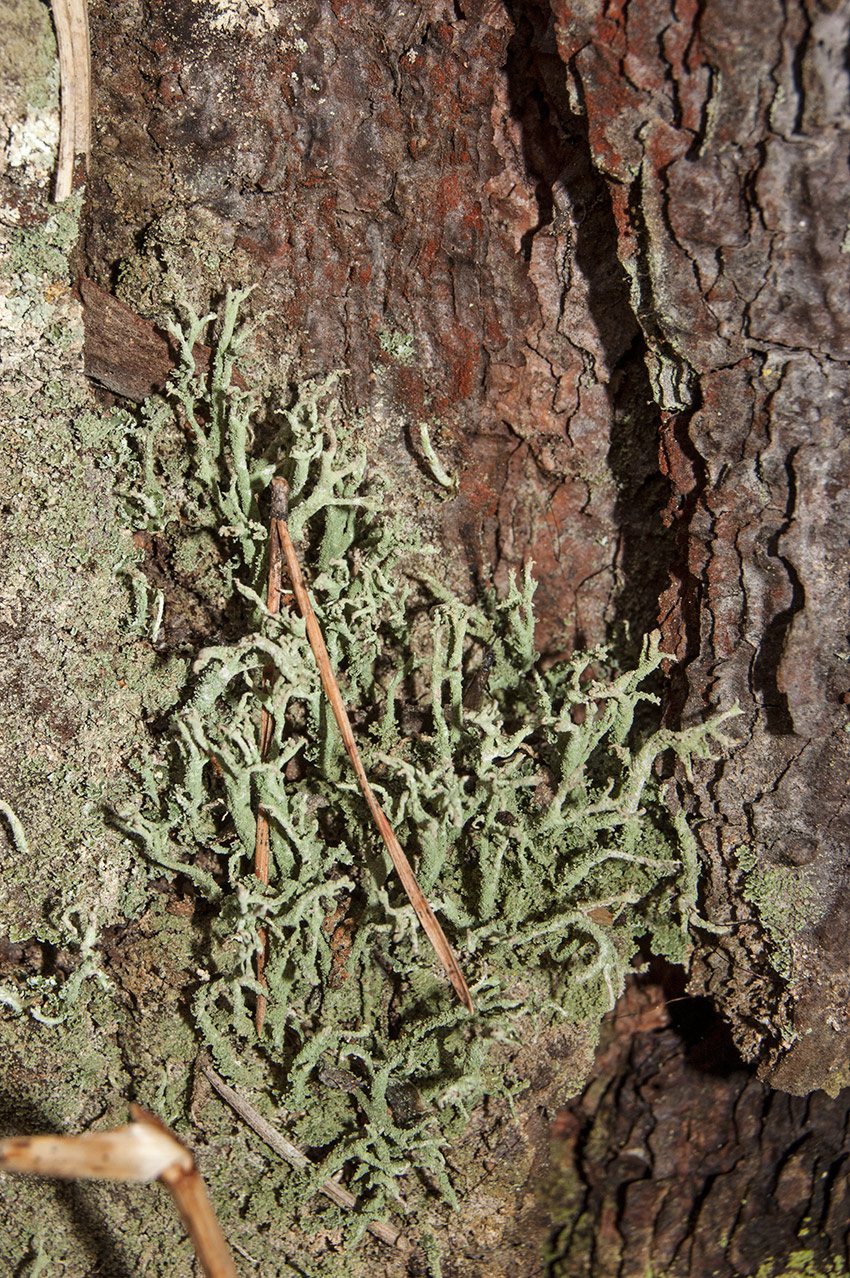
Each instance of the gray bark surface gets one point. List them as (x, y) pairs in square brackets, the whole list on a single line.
[(676, 1160)]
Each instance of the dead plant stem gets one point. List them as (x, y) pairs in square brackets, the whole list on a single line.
[(262, 843), (71, 20), (293, 1155)]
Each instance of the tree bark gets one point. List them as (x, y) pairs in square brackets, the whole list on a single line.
[(403, 173), (722, 134), (613, 239), (676, 1160)]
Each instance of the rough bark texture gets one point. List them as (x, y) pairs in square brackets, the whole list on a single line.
[(408, 173), (677, 1161), (722, 132), (580, 226)]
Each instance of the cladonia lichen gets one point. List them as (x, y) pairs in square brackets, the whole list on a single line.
[(527, 797), (48, 999), (399, 346)]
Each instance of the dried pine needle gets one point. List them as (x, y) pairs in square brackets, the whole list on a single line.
[(426, 916)]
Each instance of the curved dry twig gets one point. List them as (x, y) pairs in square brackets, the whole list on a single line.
[(295, 1157), (138, 1152)]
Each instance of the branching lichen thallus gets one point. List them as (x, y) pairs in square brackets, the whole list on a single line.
[(533, 811), (281, 544)]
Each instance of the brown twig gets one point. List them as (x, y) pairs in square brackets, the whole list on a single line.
[(426, 916), (138, 1152), (293, 1155), (189, 1192), (262, 845), (71, 20)]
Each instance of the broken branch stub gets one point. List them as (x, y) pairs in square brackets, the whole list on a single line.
[(136, 1153)]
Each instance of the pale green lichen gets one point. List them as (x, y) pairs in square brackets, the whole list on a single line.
[(48, 999), (786, 898), (399, 346), (526, 797), (436, 467)]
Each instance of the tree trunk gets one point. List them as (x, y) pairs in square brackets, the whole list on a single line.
[(722, 136), (598, 250), (596, 237), (676, 1160)]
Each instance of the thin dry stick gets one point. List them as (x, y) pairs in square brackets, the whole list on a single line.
[(71, 20), (293, 1155), (190, 1196), (261, 845), (426, 916), (138, 1152)]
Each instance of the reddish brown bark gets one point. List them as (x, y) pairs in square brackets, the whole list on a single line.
[(721, 132), (416, 170)]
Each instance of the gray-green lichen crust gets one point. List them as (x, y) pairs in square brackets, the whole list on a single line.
[(72, 693), (526, 798), (73, 696)]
